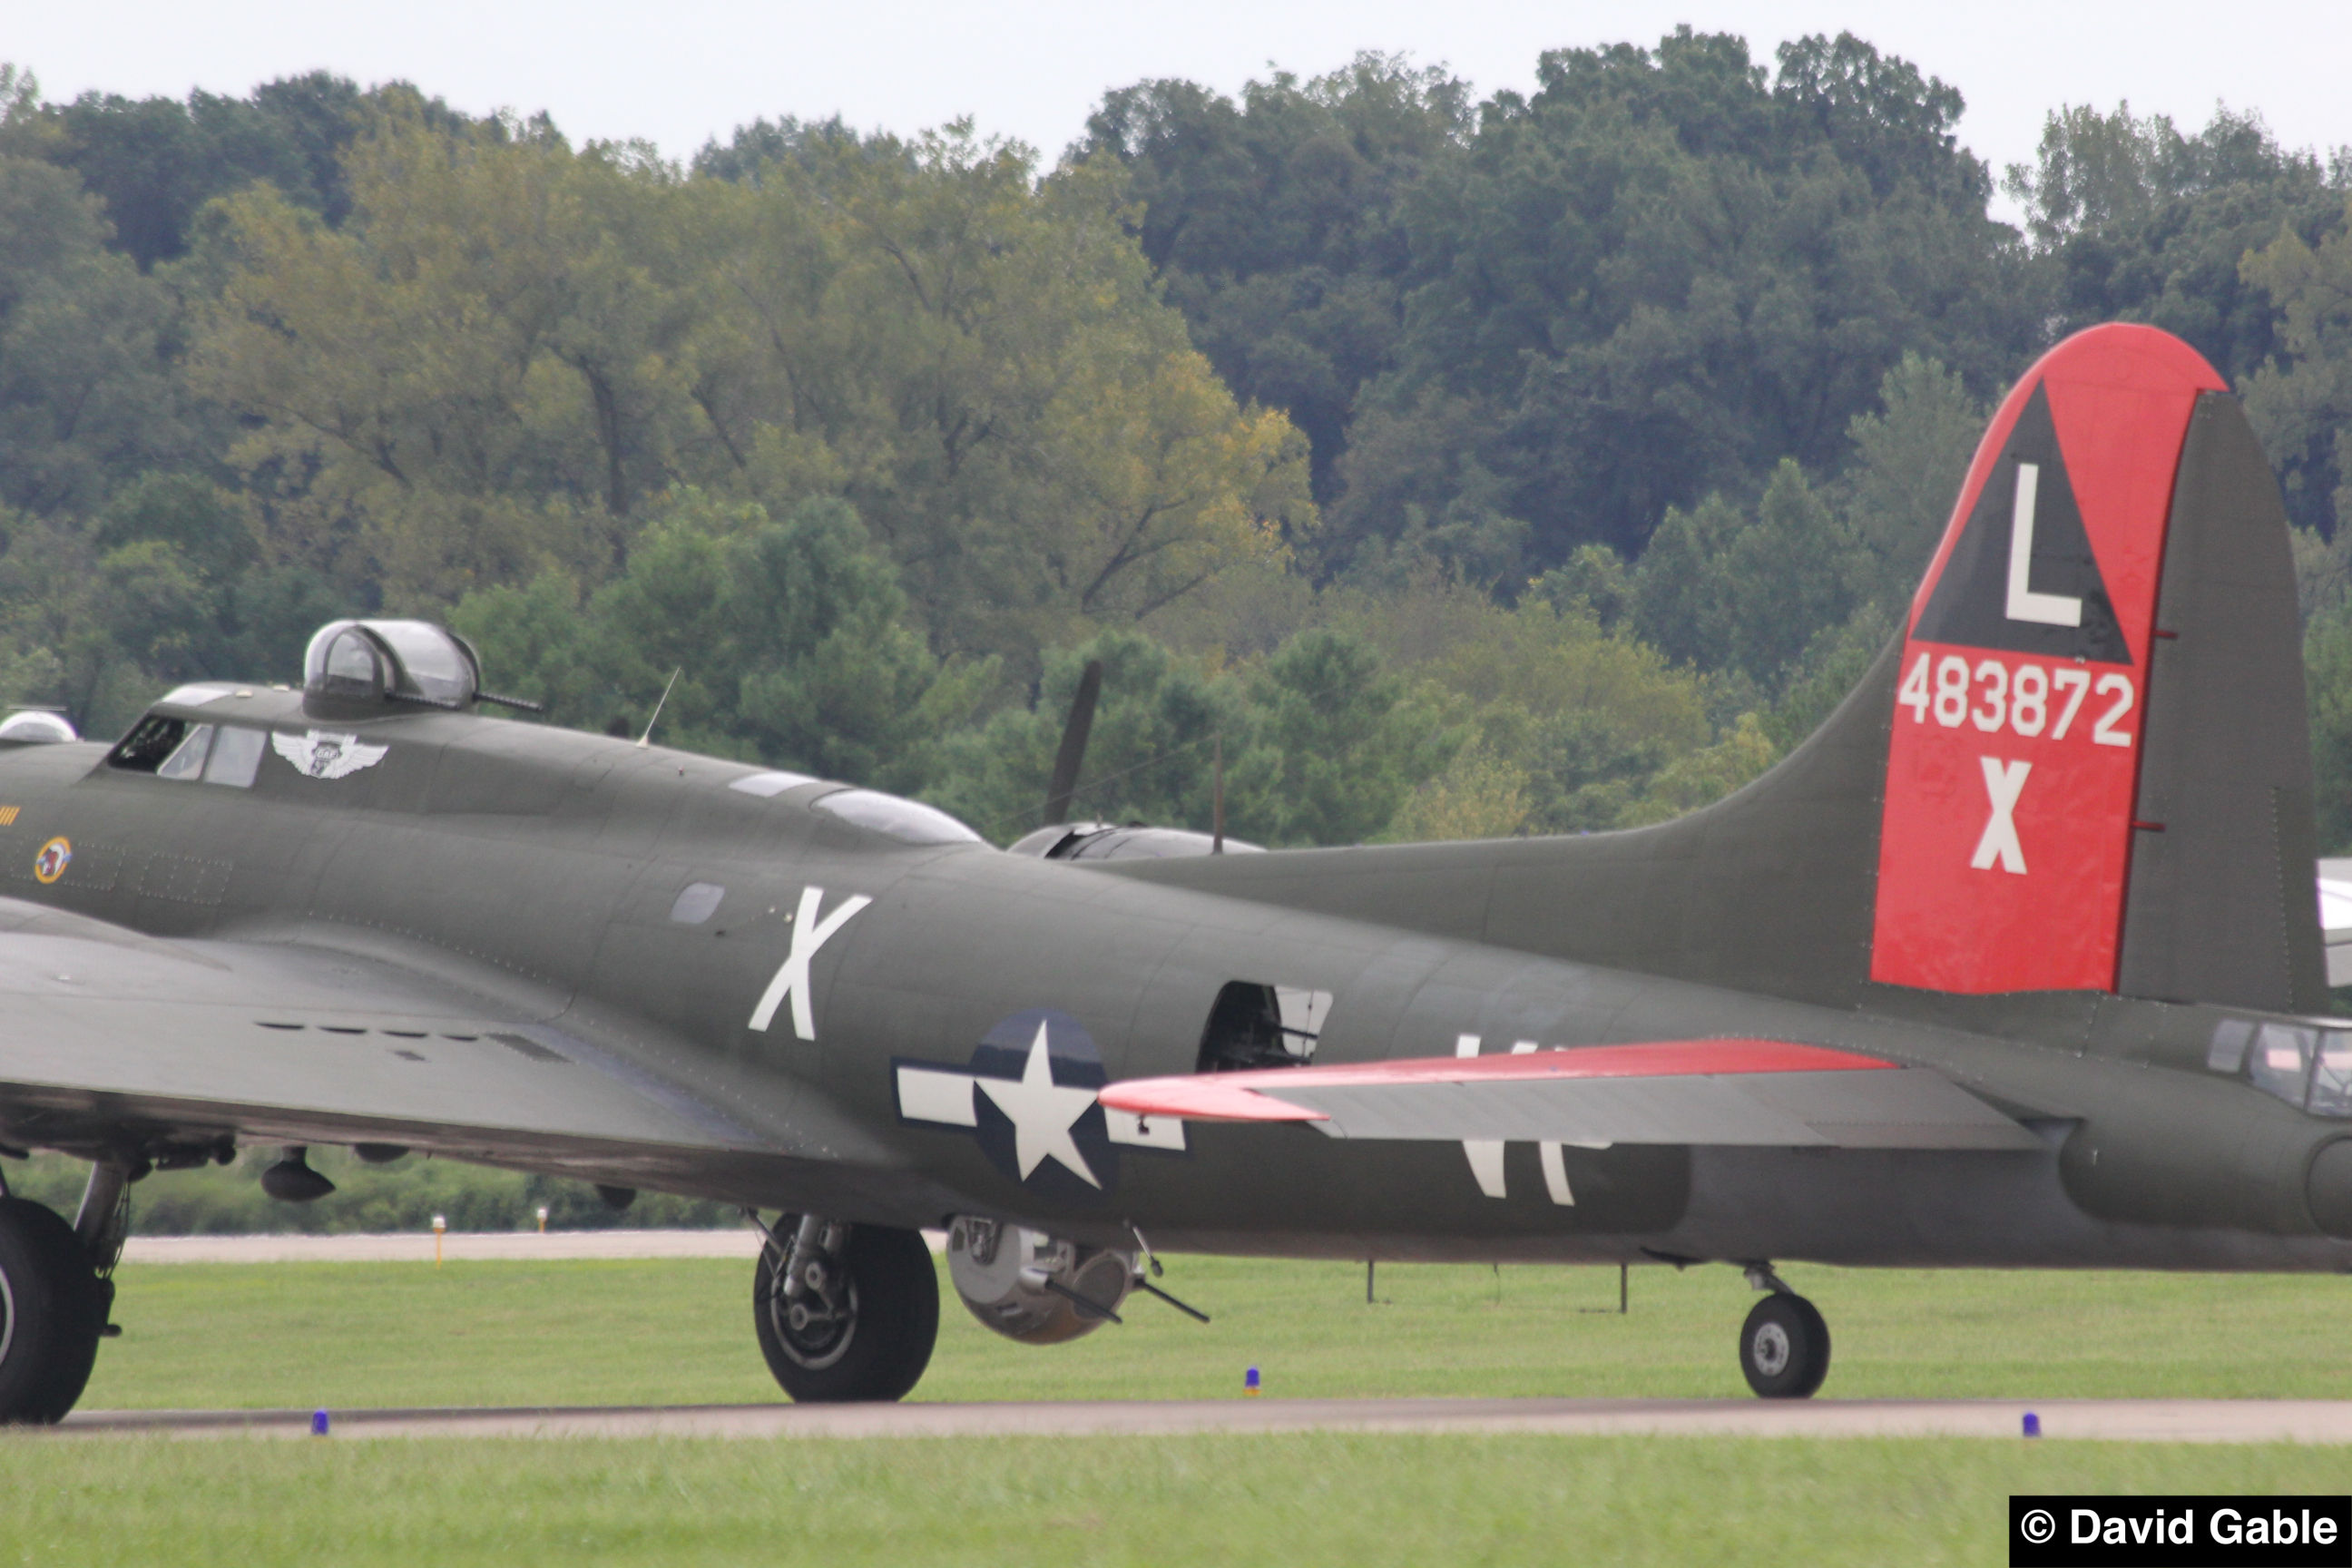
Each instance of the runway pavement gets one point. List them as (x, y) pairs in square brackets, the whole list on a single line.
[(413, 1247), (417, 1247), (2139, 1420)]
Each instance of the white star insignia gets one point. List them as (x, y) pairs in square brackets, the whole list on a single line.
[(1042, 1112)]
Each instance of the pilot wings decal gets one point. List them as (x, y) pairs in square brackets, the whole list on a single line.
[(323, 754)]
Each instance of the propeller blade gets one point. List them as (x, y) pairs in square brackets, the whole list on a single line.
[(1074, 746)]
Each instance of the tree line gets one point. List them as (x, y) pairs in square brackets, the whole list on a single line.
[(1453, 465)]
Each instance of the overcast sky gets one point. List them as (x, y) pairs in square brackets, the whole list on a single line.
[(683, 70)]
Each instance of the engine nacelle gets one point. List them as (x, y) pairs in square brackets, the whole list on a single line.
[(1006, 1276)]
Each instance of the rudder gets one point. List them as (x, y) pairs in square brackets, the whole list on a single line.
[(2098, 775)]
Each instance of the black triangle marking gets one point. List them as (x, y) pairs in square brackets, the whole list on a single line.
[(1970, 605)]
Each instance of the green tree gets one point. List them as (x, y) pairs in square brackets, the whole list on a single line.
[(1910, 458), (787, 640), (1572, 721), (1273, 221), (1353, 741), (1665, 272), (2300, 400), (2327, 675), (1150, 756), (87, 392), (2137, 220), (511, 347)]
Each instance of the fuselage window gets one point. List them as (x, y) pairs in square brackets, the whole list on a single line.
[(1254, 1025), (187, 759), (769, 784), (237, 756), (2227, 1051), (698, 903), (2331, 1076), (906, 820), (150, 741)]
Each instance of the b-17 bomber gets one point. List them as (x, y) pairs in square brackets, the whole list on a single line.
[(2015, 963)]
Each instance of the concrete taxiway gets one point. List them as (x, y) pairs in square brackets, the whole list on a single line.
[(417, 1247), (2135, 1420)]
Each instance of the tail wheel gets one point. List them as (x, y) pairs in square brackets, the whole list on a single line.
[(862, 1328), (52, 1309), (1784, 1347)]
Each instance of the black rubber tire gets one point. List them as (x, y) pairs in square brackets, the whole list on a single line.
[(1784, 1348), (894, 1290), (52, 1307)]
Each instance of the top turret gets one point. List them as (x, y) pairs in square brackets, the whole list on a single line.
[(367, 664)]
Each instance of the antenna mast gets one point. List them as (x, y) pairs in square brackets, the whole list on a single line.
[(647, 738)]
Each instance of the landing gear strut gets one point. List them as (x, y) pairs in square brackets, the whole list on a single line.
[(1784, 1345), (844, 1312)]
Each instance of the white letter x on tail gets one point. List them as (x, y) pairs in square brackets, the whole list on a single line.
[(809, 933), (2004, 781)]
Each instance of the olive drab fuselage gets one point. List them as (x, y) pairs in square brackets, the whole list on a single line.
[(837, 985)]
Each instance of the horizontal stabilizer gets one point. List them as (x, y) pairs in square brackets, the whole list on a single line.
[(1727, 1093)]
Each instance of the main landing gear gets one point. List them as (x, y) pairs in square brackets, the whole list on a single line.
[(844, 1312), (55, 1298), (1784, 1345)]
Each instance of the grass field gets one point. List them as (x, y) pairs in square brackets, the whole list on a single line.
[(621, 1332), (1227, 1501), (679, 1332)]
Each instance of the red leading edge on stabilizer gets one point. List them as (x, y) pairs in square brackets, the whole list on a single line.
[(2013, 763), (1237, 1097)]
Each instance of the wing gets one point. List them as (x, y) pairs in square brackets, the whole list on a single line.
[(1765, 1093), (108, 1036)]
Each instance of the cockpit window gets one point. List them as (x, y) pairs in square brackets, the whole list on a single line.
[(151, 741), (2331, 1077), (908, 821), (237, 756), (2306, 1066), (2279, 1061), (187, 760), (175, 749)]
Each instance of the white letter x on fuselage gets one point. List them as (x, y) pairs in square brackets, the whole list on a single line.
[(2004, 781), (809, 933)]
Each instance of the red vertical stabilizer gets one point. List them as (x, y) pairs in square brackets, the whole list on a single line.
[(2014, 757)]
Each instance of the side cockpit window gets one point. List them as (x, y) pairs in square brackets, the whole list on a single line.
[(237, 756), (151, 742), (188, 758), (184, 752), (2306, 1066)]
